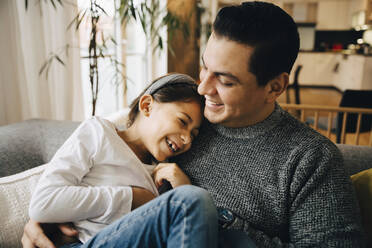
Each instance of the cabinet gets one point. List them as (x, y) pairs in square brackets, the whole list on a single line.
[(328, 14), (335, 69), (301, 12), (361, 13), (355, 72), (369, 12), (333, 15), (318, 68)]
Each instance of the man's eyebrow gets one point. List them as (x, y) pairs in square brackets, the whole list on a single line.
[(225, 74)]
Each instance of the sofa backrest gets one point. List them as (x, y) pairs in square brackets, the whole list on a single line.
[(27, 144), (30, 143)]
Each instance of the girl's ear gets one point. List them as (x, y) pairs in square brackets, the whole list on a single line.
[(145, 104)]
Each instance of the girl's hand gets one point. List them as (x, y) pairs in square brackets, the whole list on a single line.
[(170, 172)]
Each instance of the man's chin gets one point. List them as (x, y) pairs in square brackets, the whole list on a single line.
[(213, 117)]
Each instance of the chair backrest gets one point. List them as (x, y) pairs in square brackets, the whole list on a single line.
[(296, 84), (296, 75), (355, 99), (330, 111)]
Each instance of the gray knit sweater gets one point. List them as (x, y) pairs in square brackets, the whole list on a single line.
[(284, 182)]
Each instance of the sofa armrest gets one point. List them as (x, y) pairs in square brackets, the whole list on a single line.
[(15, 195), (356, 158)]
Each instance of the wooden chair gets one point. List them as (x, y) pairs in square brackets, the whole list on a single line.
[(354, 99), (295, 85), (355, 121)]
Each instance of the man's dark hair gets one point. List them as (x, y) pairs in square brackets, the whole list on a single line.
[(268, 29)]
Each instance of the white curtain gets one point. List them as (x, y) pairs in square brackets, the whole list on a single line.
[(26, 40)]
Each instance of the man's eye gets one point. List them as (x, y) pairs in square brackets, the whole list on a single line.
[(228, 84), (225, 82), (183, 122)]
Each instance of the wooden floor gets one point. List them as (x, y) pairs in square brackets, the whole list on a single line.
[(324, 97)]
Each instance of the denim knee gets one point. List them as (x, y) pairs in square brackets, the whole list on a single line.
[(196, 195)]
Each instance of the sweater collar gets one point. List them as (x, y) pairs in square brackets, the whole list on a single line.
[(252, 131)]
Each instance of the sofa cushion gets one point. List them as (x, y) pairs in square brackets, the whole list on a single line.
[(15, 195), (362, 183)]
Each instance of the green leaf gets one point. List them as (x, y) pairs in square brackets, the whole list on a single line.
[(43, 67), (80, 20), (59, 59), (74, 20), (133, 12), (26, 4), (98, 6), (113, 41), (54, 5), (160, 43)]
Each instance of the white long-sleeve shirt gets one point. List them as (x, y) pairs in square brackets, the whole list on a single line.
[(88, 181)]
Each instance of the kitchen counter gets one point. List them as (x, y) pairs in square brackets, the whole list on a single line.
[(338, 69), (344, 52)]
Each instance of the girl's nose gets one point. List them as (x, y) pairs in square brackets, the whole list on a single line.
[(186, 138)]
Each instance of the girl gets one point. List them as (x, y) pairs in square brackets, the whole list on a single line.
[(101, 173)]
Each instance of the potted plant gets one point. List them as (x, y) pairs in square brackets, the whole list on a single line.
[(147, 12)]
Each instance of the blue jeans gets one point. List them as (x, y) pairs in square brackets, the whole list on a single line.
[(183, 217)]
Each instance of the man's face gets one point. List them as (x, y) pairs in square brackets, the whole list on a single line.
[(232, 95)]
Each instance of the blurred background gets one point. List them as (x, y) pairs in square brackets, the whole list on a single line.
[(48, 68)]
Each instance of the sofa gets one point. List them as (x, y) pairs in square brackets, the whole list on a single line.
[(27, 145)]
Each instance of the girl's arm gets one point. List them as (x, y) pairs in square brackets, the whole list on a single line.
[(58, 196)]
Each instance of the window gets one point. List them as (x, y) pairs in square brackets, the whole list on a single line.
[(140, 64)]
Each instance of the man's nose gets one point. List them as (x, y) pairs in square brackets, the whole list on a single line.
[(207, 85)]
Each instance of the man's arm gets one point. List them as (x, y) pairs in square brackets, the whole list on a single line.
[(34, 234), (323, 211)]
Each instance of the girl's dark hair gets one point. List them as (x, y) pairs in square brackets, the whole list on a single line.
[(170, 92)]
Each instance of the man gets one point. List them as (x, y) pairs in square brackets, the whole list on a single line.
[(275, 181)]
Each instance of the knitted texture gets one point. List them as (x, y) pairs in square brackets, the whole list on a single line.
[(284, 182)]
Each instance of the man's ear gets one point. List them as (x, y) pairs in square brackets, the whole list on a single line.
[(276, 87), (145, 104)]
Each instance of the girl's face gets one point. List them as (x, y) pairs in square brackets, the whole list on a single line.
[(169, 128)]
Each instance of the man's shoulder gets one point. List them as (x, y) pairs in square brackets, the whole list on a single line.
[(302, 131), (307, 140)]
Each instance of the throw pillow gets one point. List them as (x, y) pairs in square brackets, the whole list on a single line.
[(362, 183), (15, 195)]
